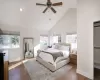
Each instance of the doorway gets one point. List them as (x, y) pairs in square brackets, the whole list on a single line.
[(97, 50)]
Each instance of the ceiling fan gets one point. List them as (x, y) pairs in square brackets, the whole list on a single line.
[(50, 5)]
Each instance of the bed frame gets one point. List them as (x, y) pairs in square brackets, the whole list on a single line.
[(57, 66)]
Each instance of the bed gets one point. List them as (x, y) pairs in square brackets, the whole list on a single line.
[(55, 57)]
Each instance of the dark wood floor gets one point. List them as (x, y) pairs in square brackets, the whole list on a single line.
[(13, 63), (96, 74), (20, 73)]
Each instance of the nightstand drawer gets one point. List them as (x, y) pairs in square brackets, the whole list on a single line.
[(73, 61), (73, 58)]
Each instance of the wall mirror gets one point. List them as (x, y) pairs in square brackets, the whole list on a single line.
[(28, 47)]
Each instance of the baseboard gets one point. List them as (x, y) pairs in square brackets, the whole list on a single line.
[(85, 74)]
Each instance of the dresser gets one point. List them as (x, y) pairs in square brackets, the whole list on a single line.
[(5, 70), (3, 67), (6, 65)]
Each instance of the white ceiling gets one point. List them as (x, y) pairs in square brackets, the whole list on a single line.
[(32, 15)]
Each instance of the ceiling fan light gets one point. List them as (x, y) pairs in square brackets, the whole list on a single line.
[(21, 9), (49, 5)]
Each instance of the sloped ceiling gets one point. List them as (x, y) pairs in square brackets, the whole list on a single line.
[(32, 15)]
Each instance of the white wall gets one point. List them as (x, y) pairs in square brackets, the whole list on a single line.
[(88, 12), (68, 24), (17, 54)]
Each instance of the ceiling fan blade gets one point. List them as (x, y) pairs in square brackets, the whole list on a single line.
[(41, 4), (53, 9), (48, 1), (57, 4), (45, 10)]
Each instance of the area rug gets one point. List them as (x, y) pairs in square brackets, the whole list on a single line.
[(37, 71)]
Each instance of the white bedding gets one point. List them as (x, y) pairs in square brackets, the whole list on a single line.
[(52, 50), (48, 58), (54, 58)]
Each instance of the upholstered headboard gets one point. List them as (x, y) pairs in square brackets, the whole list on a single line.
[(64, 46)]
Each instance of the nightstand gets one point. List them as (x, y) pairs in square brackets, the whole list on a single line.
[(73, 58)]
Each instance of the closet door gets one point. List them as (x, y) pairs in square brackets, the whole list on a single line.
[(1, 67)]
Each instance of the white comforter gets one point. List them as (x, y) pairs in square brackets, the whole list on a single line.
[(48, 58), (52, 50)]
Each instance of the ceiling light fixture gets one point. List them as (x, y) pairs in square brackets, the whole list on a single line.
[(21, 9)]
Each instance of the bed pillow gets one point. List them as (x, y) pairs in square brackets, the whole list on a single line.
[(55, 46)]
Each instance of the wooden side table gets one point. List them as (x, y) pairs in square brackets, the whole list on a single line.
[(73, 58)]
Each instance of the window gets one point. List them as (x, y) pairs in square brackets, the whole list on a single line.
[(44, 40), (56, 39), (9, 41), (72, 39)]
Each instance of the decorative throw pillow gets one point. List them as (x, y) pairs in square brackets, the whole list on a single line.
[(56, 46)]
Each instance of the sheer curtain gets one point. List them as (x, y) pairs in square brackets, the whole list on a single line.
[(9, 40), (72, 39), (43, 41), (56, 38)]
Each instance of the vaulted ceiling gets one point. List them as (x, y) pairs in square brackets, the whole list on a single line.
[(31, 15)]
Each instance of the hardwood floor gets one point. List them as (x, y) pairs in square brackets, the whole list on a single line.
[(20, 73), (12, 63), (72, 75), (96, 74)]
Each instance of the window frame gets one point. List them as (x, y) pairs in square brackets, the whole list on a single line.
[(9, 34), (44, 36), (74, 33), (59, 38)]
